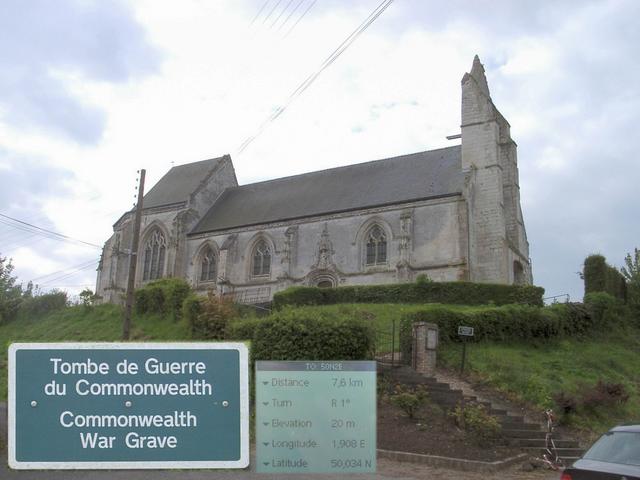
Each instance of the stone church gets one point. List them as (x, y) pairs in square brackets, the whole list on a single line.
[(451, 214)]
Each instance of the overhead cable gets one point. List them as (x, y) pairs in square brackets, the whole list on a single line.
[(311, 78), (49, 233)]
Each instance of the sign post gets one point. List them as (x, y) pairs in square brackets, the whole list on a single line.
[(128, 405), (464, 333)]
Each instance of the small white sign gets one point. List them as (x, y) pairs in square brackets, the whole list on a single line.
[(465, 331)]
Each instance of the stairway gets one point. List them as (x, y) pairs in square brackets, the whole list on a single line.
[(530, 437)]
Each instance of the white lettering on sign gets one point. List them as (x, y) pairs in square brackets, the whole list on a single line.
[(178, 419), (156, 367), (134, 440), (86, 367), (191, 388)]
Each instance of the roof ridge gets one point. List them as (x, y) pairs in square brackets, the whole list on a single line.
[(197, 162), (351, 165)]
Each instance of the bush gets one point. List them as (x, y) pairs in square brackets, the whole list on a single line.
[(602, 395), (475, 419), (409, 401), (294, 335), (601, 277), (209, 317), (164, 296), (423, 291), (243, 329), (506, 323), (42, 304)]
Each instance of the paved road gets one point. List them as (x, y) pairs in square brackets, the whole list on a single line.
[(387, 470)]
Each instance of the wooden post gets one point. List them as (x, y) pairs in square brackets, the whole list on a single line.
[(133, 261)]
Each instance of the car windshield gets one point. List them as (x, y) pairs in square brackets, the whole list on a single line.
[(616, 447)]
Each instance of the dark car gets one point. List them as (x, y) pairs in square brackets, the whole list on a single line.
[(616, 455)]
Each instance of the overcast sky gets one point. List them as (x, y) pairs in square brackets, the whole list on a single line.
[(91, 91)]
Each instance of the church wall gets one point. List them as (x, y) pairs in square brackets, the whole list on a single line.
[(424, 237)]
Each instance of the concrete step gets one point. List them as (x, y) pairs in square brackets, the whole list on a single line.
[(519, 433), (519, 425), (562, 452), (539, 443)]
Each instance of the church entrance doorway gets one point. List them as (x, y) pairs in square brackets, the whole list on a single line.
[(325, 284)]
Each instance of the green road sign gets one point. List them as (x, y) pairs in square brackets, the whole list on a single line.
[(128, 405), (316, 417)]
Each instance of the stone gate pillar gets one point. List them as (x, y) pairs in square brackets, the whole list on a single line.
[(425, 342)]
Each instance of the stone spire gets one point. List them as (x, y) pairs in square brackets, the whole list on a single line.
[(477, 73)]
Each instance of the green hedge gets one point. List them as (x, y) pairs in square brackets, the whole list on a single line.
[(243, 329), (164, 296), (509, 322), (291, 335), (459, 293), (601, 277)]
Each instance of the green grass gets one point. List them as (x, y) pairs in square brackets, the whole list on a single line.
[(536, 373), (102, 323)]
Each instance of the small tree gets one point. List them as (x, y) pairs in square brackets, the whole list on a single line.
[(631, 272), (10, 293), (87, 298)]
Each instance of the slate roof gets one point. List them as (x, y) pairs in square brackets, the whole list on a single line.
[(417, 176), (179, 183)]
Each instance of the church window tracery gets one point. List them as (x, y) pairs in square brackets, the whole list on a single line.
[(376, 251), (154, 252), (261, 259), (208, 266)]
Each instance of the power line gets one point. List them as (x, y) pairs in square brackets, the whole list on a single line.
[(57, 272), (311, 78), (301, 17), (290, 15), (272, 10), (68, 275), (49, 233), (281, 13), (259, 12)]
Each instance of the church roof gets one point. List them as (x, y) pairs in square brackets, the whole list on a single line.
[(179, 183), (417, 176)]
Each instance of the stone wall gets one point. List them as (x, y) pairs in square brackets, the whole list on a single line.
[(423, 237)]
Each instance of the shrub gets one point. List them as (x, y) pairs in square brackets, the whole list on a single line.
[(424, 291), (163, 296), (42, 304), (475, 419), (409, 401), (601, 277), (604, 395), (294, 335), (567, 403), (243, 329), (598, 304), (209, 318)]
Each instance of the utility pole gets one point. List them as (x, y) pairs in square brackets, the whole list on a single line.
[(133, 261)]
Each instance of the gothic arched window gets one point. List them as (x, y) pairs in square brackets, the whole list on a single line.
[(376, 253), (208, 266), (154, 251), (261, 259)]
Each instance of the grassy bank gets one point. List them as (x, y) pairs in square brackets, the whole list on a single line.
[(102, 323), (538, 373)]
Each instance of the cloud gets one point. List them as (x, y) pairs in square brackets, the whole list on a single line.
[(44, 41), (28, 181)]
